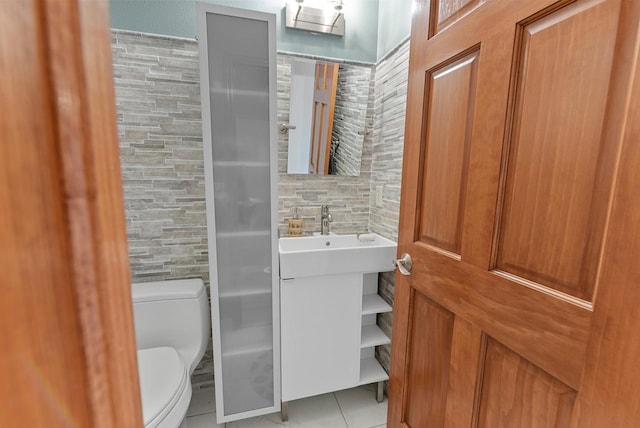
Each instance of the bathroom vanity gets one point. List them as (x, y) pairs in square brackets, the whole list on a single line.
[(328, 304)]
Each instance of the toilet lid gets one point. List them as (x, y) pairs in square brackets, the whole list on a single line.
[(163, 378)]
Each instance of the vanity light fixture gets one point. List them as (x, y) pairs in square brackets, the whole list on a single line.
[(323, 17)]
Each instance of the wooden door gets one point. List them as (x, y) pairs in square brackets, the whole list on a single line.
[(68, 355), (324, 101), (521, 211)]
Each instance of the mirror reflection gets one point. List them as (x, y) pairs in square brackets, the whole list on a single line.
[(327, 117)]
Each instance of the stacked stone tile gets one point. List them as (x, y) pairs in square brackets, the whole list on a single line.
[(354, 89), (390, 108)]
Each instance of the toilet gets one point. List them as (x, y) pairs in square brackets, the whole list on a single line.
[(172, 324)]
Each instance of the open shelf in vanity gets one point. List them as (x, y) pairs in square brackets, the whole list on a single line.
[(371, 334)]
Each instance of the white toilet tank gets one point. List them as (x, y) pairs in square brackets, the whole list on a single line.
[(173, 313)]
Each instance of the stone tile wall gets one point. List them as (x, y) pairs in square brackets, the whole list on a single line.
[(389, 118), (353, 92), (159, 126), (386, 166)]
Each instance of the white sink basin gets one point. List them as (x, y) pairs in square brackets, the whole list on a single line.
[(335, 254)]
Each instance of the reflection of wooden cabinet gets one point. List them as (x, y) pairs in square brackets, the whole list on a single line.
[(238, 85), (324, 101), (329, 333)]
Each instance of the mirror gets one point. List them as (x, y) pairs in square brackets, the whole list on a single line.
[(327, 117)]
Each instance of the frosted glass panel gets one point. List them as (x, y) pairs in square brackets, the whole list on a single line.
[(239, 96)]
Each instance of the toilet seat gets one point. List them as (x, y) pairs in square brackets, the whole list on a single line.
[(165, 387)]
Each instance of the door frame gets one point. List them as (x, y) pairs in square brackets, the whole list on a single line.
[(69, 123)]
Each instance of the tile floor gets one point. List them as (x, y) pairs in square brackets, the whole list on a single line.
[(351, 408)]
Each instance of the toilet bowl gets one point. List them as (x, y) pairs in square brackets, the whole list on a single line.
[(172, 332), (164, 386)]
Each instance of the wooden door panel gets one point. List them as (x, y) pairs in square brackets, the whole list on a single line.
[(609, 392), (449, 121), (495, 44), (466, 355), (429, 357), (446, 12), (547, 234), (551, 331), (516, 393)]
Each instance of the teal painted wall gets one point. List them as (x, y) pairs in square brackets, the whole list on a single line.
[(394, 24), (178, 18)]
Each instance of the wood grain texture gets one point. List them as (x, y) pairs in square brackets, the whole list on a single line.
[(449, 122), (42, 366), (69, 356), (425, 56), (567, 55), (431, 334), (409, 191), (609, 391), (515, 393), (467, 351), (547, 230), (446, 12), (107, 214), (550, 331)]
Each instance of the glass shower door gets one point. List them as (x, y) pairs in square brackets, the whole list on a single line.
[(237, 51)]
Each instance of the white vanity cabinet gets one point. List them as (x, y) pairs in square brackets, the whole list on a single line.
[(238, 91), (320, 334), (328, 303), (328, 321)]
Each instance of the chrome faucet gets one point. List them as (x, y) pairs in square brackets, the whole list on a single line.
[(326, 219)]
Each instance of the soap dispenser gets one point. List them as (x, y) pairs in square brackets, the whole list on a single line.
[(296, 224)]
